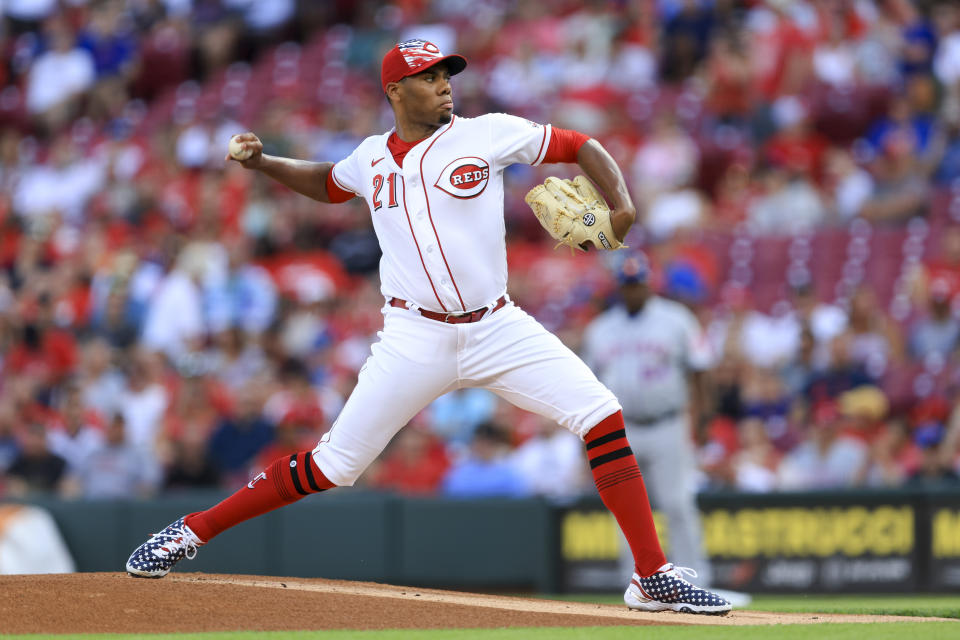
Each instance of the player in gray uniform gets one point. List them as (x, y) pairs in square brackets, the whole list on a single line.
[(655, 366)]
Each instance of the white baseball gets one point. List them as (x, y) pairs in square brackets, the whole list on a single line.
[(237, 151)]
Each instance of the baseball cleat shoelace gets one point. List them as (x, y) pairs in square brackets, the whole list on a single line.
[(155, 557), (669, 590)]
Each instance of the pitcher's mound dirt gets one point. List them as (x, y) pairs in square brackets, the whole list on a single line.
[(186, 602)]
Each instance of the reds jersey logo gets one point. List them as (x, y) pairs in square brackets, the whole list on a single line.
[(464, 177)]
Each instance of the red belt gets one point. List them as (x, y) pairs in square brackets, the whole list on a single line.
[(453, 318)]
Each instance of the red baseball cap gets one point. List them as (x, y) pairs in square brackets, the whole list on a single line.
[(410, 57)]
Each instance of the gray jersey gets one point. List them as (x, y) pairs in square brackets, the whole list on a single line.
[(644, 359)]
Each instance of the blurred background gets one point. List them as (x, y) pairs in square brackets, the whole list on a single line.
[(170, 322)]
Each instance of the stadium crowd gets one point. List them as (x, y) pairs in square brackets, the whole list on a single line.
[(169, 320)]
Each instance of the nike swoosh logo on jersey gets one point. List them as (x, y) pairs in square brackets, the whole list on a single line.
[(374, 162)]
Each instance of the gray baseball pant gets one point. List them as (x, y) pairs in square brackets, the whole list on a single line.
[(667, 460)]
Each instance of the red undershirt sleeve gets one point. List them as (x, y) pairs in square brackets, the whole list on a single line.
[(335, 193), (564, 145)]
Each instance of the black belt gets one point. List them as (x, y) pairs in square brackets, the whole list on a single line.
[(454, 318), (652, 420)]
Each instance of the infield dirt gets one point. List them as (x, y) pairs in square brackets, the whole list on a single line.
[(189, 602)]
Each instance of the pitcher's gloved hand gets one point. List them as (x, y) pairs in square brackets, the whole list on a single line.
[(574, 213)]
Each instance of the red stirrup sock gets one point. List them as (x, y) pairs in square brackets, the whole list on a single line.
[(621, 488), (285, 481)]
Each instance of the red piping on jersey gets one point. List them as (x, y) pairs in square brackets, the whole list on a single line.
[(419, 253), (540, 150), (429, 215)]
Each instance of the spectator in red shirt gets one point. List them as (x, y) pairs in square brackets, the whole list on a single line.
[(44, 347), (297, 402), (415, 463), (289, 438), (943, 267), (796, 146)]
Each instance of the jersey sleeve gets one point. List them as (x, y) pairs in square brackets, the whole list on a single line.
[(334, 192), (345, 176), (518, 140), (564, 145)]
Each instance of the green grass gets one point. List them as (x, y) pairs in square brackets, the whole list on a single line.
[(888, 631), (926, 605), (939, 606)]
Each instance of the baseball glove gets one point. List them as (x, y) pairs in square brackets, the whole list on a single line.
[(573, 212)]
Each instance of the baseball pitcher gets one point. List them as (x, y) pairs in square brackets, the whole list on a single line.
[(434, 187)]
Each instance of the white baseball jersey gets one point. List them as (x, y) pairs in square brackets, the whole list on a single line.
[(439, 217), (439, 220), (644, 358)]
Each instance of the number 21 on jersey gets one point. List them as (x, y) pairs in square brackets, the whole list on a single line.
[(391, 181)]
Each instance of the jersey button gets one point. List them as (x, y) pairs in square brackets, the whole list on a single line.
[(430, 248)]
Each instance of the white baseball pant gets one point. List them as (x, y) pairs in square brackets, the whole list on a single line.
[(416, 360)]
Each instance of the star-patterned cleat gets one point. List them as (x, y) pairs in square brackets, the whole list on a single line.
[(668, 590), (155, 557)]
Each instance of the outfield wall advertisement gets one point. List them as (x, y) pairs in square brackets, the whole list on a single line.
[(866, 542), (945, 545), (852, 548), (787, 543)]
